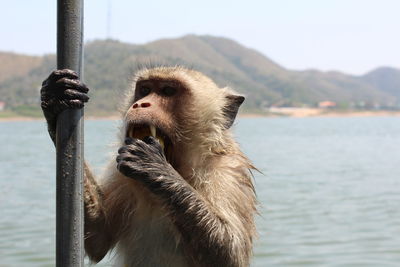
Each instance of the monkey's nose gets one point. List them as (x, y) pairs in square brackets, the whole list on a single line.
[(143, 105)]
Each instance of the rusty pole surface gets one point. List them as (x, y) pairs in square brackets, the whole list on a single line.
[(69, 142)]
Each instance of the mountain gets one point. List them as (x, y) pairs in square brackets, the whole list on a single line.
[(16, 65), (386, 79), (109, 65)]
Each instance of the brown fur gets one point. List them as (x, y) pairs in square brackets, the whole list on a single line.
[(213, 224)]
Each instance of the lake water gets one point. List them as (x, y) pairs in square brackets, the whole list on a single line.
[(329, 190)]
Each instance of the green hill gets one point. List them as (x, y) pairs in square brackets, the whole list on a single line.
[(16, 65), (109, 64), (386, 79)]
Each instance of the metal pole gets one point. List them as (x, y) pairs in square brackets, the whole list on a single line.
[(69, 142)]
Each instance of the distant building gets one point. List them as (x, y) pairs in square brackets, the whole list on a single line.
[(327, 104), (2, 105)]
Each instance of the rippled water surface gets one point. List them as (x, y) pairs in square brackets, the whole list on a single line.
[(329, 190)]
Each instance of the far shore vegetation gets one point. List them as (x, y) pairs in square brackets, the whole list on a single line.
[(270, 89)]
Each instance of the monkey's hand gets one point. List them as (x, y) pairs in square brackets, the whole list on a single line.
[(143, 160), (60, 91)]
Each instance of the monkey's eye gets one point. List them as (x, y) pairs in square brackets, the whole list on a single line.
[(143, 90), (168, 91)]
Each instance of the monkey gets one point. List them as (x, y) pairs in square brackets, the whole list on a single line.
[(179, 191)]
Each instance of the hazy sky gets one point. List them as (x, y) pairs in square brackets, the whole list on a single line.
[(352, 36)]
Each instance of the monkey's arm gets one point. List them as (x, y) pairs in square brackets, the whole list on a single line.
[(211, 238), (60, 91), (101, 232)]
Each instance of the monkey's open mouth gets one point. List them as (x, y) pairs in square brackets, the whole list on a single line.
[(140, 131)]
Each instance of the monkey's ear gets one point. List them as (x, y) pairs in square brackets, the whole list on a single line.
[(231, 108)]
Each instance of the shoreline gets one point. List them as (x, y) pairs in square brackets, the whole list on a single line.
[(320, 113), (283, 113)]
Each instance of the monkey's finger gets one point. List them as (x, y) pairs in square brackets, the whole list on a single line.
[(129, 141), (124, 167), (75, 103), (73, 84), (127, 158), (136, 151), (124, 148), (124, 156), (150, 140), (135, 144), (128, 169), (138, 147), (133, 153), (44, 93), (57, 74), (119, 158), (73, 94)]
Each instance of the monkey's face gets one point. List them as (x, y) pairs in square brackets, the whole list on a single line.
[(154, 110), (185, 110)]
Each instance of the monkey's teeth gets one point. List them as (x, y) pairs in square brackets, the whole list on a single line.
[(153, 130)]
